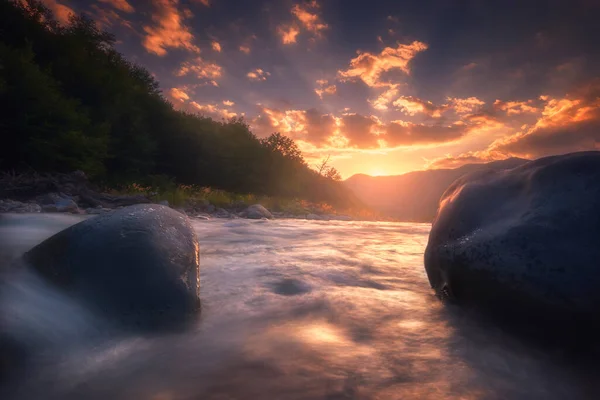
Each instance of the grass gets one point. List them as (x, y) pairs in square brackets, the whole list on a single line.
[(189, 195)]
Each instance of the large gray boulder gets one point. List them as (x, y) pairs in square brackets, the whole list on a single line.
[(137, 266), (523, 243)]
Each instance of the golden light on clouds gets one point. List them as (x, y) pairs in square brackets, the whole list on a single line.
[(179, 94), (411, 105), (258, 75), (325, 88), (206, 71), (213, 110), (61, 12), (369, 67), (168, 30), (465, 106), (288, 33), (310, 21), (121, 5), (216, 46)]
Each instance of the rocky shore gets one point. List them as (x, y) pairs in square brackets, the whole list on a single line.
[(73, 193)]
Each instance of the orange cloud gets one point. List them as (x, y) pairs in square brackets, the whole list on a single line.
[(411, 105), (369, 67), (288, 33), (216, 46), (566, 125), (465, 106), (228, 103), (325, 88), (306, 18), (204, 2), (169, 29), (401, 133), (213, 111), (381, 103), (516, 107), (60, 11), (258, 75), (121, 5), (309, 20), (245, 49), (179, 94), (206, 71), (471, 157), (360, 130)]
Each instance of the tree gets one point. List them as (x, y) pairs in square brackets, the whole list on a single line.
[(284, 145), (327, 171)]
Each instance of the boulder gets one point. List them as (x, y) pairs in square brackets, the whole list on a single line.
[(523, 244), (137, 266), (221, 213), (57, 202), (164, 203), (257, 211)]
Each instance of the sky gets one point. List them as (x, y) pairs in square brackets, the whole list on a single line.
[(382, 87)]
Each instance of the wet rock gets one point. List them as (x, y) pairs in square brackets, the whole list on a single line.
[(221, 213), (57, 202), (137, 266), (523, 243), (19, 207), (257, 211)]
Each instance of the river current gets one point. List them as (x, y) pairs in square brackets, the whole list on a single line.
[(292, 309)]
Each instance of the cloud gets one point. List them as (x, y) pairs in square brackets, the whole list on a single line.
[(307, 19), (288, 33), (567, 124), (178, 94), (311, 21), (258, 75), (516, 107), (168, 30), (107, 17), (369, 67), (206, 71), (411, 105), (465, 106), (121, 5), (204, 2), (471, 157), (61, 12), (228, 103), (309, 126), (213, 111), (245, 49), (216, 46), (381, 103), (325, 88), (401, 133), (360, 130)]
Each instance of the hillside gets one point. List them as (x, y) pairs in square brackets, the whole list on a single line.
[(414, 196)]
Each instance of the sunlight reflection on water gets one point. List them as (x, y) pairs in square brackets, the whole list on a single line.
[(305, 310)]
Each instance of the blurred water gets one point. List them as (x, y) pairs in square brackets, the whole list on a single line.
[(291, 310)]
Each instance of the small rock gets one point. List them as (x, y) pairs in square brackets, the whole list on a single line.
[(221, 213), (19, 207), (257, 211), (314, 217), (203, 216)]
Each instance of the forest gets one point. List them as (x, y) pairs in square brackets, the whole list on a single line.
[(71, 101)]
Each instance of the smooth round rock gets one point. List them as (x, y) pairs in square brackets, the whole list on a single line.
[(138, 266), (523, 243)]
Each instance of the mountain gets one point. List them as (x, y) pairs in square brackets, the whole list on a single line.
[(414, 196)]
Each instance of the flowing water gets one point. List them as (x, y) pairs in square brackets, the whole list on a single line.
[(291, 310)]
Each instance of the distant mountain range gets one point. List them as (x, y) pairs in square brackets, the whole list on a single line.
[(414, 196)]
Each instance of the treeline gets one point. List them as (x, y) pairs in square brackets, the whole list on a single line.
[(70, 101)]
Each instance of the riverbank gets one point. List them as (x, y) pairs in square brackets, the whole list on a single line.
[(73, 193)]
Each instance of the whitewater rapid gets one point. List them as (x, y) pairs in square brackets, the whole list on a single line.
[(291, 309)]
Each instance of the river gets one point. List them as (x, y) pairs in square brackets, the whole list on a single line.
[(292, 309)]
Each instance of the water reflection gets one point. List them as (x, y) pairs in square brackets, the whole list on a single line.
[(304, 310)]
